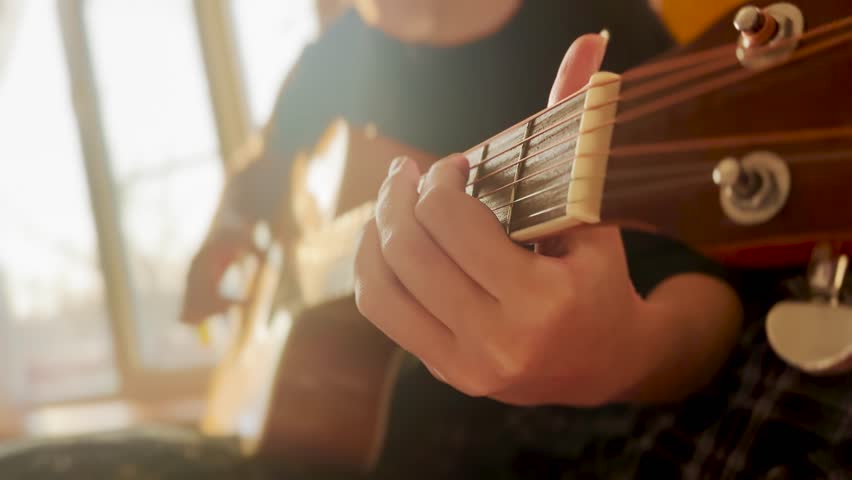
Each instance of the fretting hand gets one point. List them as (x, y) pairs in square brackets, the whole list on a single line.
[(437, 273)]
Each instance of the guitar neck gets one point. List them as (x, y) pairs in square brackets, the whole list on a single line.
[(547, 172)]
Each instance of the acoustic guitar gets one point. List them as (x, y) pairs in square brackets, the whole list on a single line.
[(739, 144)]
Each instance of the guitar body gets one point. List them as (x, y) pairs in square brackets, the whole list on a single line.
[(311, 382)]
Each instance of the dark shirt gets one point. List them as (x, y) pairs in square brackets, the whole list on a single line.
[(440, 99), (446, 99)]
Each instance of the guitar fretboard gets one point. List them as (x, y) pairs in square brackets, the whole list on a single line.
[(524, 174)]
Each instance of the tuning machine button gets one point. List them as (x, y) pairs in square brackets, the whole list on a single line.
[(753, 189), (767, 35), (756, 27), (816, 336)]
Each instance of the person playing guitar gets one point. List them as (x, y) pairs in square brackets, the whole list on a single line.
[(711, 317), (595, 316)]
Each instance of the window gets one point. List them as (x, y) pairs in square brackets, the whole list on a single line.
[(154, 103), (55, 342), (163, 149), (270, 36)]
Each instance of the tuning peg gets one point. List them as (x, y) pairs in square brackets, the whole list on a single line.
[(813, 337), (816, 336), (756, 27), (749, 19), (754, 188), (727, 172), (764, 26)]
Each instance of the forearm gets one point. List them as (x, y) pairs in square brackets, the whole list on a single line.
[(259, 172), (688, 326)]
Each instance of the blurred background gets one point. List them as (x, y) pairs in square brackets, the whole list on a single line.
[(113, 117)]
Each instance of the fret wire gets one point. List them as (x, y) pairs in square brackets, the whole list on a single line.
[(556, 186), (524, 159), (518, 171), (558, 104), (474, 190), (564, 121), (563, 141), (567, 161)]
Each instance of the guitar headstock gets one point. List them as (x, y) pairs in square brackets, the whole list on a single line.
[(740, 144)]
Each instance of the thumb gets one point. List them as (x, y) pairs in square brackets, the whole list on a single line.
[(583, 58)]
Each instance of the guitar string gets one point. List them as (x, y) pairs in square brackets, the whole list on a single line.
[(680, 61), (664, 102), (701, 170), (666, 65), (563, 141), (625, 174), (683, 180), (571, 117), (724, 80), (662, 66), (734, 141), (788, 136), (650, 87), (630, 94), (643, 189), (678, 79), (535, 115), (701, 144)]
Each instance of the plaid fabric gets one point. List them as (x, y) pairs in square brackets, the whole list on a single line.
[(759, 419), (762, 420)]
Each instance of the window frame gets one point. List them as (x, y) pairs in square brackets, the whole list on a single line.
[(214, 26)]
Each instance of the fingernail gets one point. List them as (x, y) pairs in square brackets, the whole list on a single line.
[(604, 34), (396, 164)]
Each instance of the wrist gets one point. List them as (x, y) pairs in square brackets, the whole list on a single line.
[(647, 353)]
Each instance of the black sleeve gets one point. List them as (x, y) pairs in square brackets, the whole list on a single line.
[(653, 258), (315, 93)]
